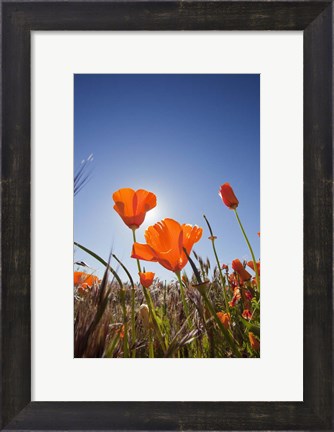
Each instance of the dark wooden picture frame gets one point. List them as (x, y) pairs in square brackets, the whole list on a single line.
[(315, 19)]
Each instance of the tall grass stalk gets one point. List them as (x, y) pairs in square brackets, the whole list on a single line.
[(213, 238), (125, 324), (184, 301), (250, 250)]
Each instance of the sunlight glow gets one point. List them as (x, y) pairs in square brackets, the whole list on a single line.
[(152, 216)]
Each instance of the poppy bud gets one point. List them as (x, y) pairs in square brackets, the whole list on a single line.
[(145, 315), (227, 195)]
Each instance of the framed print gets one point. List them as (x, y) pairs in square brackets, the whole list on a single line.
[(162, 120), (65, 61)]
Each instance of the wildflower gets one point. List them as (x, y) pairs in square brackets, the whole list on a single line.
[(225, 267), (255, 343), (247, 314), (132, 206), (251, 265), (227, 195), (239, 268), (146, 278), (165, 241), (235, 298), (85, 280), (224, 318), (258, 233)]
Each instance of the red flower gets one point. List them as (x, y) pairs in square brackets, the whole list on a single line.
[(146, 279), (225, 267), (247, 314), (227, 195), (239, 268)]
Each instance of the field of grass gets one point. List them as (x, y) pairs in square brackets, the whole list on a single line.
[(212, 312)]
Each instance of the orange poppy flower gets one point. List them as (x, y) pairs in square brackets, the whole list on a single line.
[(146, 278), (84, 280), (258, 233), (254, 342), (165, 242), (251, 265), (239, 268), (227, 195), (224, 318), (132, 206)]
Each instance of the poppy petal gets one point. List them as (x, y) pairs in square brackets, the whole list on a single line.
[(143, 252)]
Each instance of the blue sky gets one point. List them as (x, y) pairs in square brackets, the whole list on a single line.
[(179, 136)]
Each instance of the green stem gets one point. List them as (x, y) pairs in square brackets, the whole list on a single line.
[(135, 241), (150, 344), (150, 304), (183, 298), (212, 238), (125, 340), (250, 249), (133, 325)]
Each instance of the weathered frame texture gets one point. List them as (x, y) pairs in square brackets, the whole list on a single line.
[(315, 18)]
